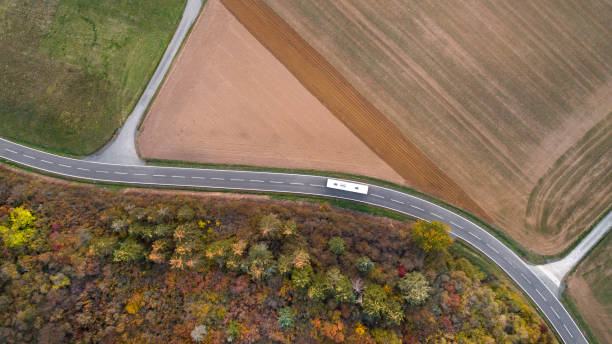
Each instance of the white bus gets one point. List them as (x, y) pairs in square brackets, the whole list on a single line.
[(347, 186)]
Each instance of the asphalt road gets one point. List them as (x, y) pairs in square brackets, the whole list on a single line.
[(309, 185)]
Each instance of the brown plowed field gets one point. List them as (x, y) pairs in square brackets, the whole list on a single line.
[(496, 93), (228, 100), (346, 103)]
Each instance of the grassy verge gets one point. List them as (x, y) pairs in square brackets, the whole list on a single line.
[(531, 257), (72, 70)]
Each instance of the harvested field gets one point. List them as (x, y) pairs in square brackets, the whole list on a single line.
[(228, 100), (578, 188), (494, 93), (589, 288), (345, 102)]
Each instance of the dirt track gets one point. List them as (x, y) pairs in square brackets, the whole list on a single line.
[(343, 100), (228, 100)]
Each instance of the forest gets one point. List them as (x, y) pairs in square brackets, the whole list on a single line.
[(88, 264)]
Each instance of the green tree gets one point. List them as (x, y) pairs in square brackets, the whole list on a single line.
[(128, 251), (285, 264), (414, 288), (290, 228), (233, 330), (385, 336), (286, 317), (21, 228), (318, 288), (302, 277), (103, 247), (270, 225), (431, 236), (364, 264), (185, 213), (336, 245), (260, 262), (341, 287), (380, 305)]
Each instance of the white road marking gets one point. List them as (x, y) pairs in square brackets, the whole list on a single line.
[(140, 174), (82, 169), (217, 178), (159, 175), (436, 215), (276, 182), (454, 224), (46, 162), (29, 157), (554, 311), (10, 150), (102, 171), (256, 180), (119, 172), (542, 296), (396, 201), (236, 179), (379, 196), (68, 166), (525, 277), (178, 176), (418, 208), (317, 185), (474, 235), (296, 183), (568, 331), (198, 177), (493, 248)]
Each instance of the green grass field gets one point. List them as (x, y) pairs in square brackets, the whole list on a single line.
[(72, 70)]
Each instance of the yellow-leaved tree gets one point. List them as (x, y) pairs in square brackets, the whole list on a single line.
[(431, 236), (21, 228)]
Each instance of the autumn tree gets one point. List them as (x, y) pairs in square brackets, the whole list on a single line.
[(21, 228), (431, 236)]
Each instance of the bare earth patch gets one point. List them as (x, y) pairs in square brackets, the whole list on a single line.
[(493, 92), (228, 100)]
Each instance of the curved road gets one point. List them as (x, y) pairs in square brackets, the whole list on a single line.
[(308, 185)]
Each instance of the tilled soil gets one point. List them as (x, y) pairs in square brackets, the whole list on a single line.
[(228, 100), (347, 104)]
